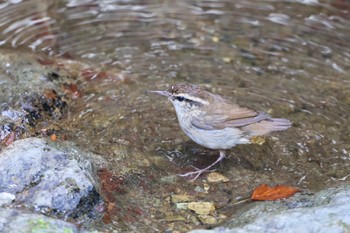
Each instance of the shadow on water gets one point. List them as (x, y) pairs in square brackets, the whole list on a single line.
[(289, 58)]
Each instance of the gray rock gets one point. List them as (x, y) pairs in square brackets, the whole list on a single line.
[(327, 211), (19, 221), (6, 198), (49, 177)]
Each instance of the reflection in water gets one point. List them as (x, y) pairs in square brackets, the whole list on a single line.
[(291, 58)]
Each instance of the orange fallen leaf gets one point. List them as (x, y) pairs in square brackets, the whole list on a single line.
[(53, 137), (268, 193)]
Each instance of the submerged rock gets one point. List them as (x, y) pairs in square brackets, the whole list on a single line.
[(34, 96), (327, 211), (50, 178)]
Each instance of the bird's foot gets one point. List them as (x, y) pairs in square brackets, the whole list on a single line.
[(196, 173)]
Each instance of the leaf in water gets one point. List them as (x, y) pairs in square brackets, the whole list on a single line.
[(268, 193), (53, 137)]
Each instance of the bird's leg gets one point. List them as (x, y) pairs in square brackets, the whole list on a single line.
[(198, 172)]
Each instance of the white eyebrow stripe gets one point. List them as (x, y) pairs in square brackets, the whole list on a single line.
[(195, 99)]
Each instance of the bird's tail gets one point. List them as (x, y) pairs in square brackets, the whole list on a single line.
[(267, 126)]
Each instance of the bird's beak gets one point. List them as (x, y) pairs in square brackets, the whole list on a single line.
[(165, 93)]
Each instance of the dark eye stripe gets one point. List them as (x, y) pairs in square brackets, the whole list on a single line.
[(180, 98)]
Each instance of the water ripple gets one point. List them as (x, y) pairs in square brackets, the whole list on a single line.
[(203, 37)]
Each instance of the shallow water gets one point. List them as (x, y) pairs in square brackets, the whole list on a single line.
[(290, 58)]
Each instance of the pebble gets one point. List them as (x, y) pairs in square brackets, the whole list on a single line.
[(260, 140), (207, 219), (202, 208), (182, 206), (206, 187), (181, 198), (174, 218), (227, 59), (215, 177), (215, 39)]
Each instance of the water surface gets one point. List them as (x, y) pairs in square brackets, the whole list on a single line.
[(289, 58)]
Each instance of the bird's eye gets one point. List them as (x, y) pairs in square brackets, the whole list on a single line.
[(180, 98)]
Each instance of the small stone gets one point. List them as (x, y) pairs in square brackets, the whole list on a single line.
[(215, 177), (227, 59), (182, 206), (194, 220), (258, 140), (222, 217), (207, 219), (199, 189), (202, 208), (181, 198), (215, 39), (270, 111), (174, 218), (206, 187), (168, 179)]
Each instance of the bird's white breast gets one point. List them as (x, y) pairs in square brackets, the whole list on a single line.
[(214, 139)]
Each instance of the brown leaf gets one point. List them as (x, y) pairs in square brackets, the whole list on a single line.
[(268, 193)]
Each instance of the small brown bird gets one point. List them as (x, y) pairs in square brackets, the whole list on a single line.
[(214, 122)]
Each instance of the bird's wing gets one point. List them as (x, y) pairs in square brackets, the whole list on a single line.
[(227, 116)]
